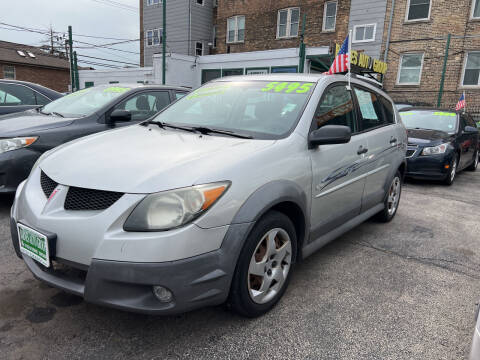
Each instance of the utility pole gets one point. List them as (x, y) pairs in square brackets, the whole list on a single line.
[(51, 40), (70, 44), (301, 65), (164, 40), (77, 80), (442, 81)]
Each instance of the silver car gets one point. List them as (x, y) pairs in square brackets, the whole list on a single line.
[(215, 199)]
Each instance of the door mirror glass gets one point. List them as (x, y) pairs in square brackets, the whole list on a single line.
[(471, 129), (119, 115), (330, 134)]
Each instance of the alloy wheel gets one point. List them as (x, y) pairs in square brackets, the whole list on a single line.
[(394, 196), (269, 266), (453, 173)]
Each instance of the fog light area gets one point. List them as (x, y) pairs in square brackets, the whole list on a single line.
[(162, 294)]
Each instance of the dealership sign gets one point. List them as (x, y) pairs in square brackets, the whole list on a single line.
[(365, 62)]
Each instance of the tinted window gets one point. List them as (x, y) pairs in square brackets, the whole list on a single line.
[(41, 100), (470, 121), (179, 95), (388, 110), (370, 109), (12, 95), (463, 121), (144, 105), (336, 108)]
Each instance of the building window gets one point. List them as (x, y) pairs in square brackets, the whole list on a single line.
[(153, 2), (214, 36), (284, 69), (231, 72), (89, 84), (476, 9), (418, 10), (154, 37), (210, 74), (236, 29), (410, 69), (364, 33), (8, 72), (330, 16), (287, 25), (471, 71), (113, 82), (200, 2), (198, 48)]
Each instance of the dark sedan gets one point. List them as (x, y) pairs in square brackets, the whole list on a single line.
[(25, 136), (440, 143), (16, 96)]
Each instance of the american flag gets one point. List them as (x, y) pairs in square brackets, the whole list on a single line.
[(341, 62), (461, 103)]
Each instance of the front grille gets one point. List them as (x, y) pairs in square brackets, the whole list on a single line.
[(88, 199), (48, 185), (410, 152)]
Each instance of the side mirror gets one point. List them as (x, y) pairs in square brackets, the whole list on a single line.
[(119, 115), (329, 134), (471, 129)]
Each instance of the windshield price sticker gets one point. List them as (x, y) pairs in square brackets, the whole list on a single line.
[(116, 89), (439, 113), (208, 91), (288, 87)]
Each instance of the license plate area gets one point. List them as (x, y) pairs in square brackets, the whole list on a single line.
[(38, 245)]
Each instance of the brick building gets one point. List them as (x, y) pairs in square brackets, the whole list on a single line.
[(28, 63), (252, 25), (418, 46)]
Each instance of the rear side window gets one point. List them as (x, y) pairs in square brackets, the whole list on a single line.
[(145, 105), (179, 95), (388, 110), (370, 109), (41, 100), (336, 108), (14, 95)]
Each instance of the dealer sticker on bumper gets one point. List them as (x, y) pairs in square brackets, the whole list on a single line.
[(34, 244)]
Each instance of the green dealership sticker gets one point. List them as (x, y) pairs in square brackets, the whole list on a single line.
[(441, 113), (116, 89), (288, 87), (208, 91)]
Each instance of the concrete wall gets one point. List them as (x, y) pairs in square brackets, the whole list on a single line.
[(186, 20), (100, 77), (363, 12)]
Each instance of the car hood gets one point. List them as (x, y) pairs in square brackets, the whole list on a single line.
[(29, 123), (145, 159), (427, 137)]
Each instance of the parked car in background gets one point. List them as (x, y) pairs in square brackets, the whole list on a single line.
[(475, 351), (441, 143), (405, 105), (25, 136), (217, 197), (18, 96)]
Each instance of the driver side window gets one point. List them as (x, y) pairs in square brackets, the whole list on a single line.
[(144, 105), (336, 108)]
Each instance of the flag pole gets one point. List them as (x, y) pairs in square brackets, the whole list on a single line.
[(465, 100), (349, 87)]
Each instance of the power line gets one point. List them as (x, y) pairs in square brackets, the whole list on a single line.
[(98, 58), (117, 5)]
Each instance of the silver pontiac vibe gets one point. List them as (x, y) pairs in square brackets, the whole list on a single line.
[(214, 199)]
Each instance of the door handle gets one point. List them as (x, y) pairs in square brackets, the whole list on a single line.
[(393, 140), (362, 150)]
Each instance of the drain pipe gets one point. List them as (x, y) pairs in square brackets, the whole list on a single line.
[(387, 45)]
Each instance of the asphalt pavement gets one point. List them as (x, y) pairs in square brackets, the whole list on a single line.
[(403, 290)]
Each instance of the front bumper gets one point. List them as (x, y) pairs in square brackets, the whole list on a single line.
[(14, 168), (429, 166), (199, 281)]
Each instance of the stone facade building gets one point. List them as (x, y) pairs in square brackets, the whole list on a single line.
[(418, 42)]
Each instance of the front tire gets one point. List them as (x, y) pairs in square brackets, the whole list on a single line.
[(264, 266), (452, 173), (392, 199), (474, 165)]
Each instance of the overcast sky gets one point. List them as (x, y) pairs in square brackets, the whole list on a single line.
[(87, 17)]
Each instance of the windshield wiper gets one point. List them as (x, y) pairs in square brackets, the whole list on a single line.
[(163, 125), (52, 113), (207, 130)]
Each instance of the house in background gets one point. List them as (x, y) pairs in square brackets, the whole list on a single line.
[(189, 28), (29, 63)]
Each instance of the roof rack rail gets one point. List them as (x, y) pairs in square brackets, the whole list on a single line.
[(368, 77)]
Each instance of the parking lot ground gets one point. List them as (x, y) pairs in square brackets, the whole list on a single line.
[(403, 290)]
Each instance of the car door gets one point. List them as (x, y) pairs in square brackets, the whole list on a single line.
[(143, 105), (16, 97), (338, 171), (474, 136), (377, 124), (467, 143)]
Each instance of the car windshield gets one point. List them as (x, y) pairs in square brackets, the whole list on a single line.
[(261, 109), (84, 102), (430, 119)]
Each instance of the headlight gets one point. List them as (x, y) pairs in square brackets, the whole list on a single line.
[(16, 143), (174, 208), (440, 149)]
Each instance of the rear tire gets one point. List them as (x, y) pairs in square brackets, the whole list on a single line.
[(264, 266), (474, 165), (452, 173), (392, 199)]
